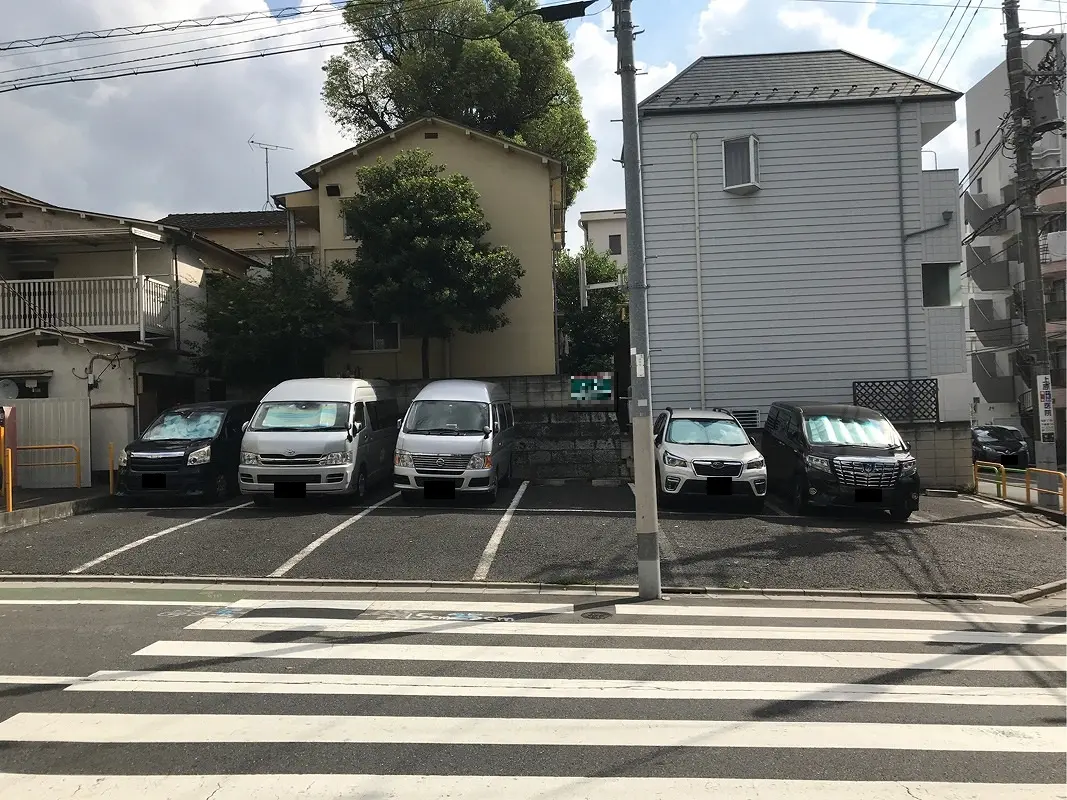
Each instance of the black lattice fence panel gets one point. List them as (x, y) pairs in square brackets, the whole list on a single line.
[(901, 400)]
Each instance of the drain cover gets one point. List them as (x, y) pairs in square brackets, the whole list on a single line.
[(596, 615)]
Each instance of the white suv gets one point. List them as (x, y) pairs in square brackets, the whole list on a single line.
[(707, 452)]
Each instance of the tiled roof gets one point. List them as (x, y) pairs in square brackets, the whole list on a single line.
[(226, 219), (820, 77)]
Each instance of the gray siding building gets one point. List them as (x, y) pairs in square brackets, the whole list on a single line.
[(794, 243)]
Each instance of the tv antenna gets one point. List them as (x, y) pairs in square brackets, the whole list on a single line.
[(266, 148)]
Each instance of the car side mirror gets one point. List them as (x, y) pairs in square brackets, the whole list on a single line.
[(659, 439), (244, 427), (400, 423), (907, 447), (487, 431), (753, 440)]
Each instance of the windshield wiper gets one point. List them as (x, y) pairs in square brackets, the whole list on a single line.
[(436, 431)]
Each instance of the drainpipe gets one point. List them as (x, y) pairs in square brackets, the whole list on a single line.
[(693, 137), (177, 302), (903, 242)]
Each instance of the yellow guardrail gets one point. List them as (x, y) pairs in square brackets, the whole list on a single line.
[(9, 459), (1061, 492), (76, 463), (1002, 479), (1029, 486)]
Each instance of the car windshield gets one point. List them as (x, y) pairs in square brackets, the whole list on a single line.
[(301, 416), (447, 417), (866, 432), (998, 435), (725, 432), (185, 424)]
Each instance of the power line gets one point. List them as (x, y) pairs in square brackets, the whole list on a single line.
[(951, 36), (962, 37), (933, 47), (923, 5)]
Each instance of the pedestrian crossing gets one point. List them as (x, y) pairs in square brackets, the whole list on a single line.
[(509, 698)]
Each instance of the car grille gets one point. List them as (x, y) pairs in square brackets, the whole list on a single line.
[(297, 460), (167, 464), (440, 463), (866, 473), (718, 469)]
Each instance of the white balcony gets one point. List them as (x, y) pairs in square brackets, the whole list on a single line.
[(129, 304)]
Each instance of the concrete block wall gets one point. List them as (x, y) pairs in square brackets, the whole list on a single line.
[(559, 443), (943, 451)]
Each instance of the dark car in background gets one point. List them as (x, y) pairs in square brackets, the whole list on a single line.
[(839, 455), (189, 451), (1000, 444)]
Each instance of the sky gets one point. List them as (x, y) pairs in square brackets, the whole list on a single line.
[(175, 142)]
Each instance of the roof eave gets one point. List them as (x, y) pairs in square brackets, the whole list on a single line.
[(681, 111)]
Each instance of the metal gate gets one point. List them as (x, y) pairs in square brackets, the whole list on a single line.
[(51, 421)]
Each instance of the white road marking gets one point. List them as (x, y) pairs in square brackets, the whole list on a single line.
[(633, 489), (436, 686), (410, 605), (144, 540), (773, 506), (604, 655), (921, 518), (537, 732), (800, 612), (492, 787), (315, 545), (639, 631), (992, 504), (37, 680), (482, 572)]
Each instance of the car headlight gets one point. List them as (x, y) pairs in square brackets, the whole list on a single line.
[(402, 458), (672, 460), (335, 459), (908, 467), (249, 459), (756, 463), (480, 461), (818, 462), (123, 457), (201, 456)]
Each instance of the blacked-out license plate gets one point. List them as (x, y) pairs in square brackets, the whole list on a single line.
[(290, 489), (720, 486), (154, 480), (868, 495)]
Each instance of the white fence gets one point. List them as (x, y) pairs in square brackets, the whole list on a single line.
[(90, 304), (51, 421)]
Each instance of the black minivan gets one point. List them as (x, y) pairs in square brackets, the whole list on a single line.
[(188, 451), (839, 455)]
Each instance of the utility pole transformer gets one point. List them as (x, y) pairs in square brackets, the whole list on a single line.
[(1033, 294), (647, 517)]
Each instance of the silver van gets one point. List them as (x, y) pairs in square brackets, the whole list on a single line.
[(457, 436), (319, 436)]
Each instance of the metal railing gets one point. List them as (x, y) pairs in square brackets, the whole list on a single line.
[(1031, 491), (76, 463), (102, 304)]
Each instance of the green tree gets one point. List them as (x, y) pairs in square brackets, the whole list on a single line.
[(593, 332), (481, 63), (265, 329), (422, 260)]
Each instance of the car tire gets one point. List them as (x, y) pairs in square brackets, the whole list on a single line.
[(220, 488), (359, 490), (490, 496), (799, 503), (900, 513), (505, 481)]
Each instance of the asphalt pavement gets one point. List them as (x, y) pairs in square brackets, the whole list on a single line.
[(170, 691), (570, 534)]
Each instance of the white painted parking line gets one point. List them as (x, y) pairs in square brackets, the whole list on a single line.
[(144, 540), (482, 572), (922, 518), (962, 617), (38, 680), (773, 506), (315, 545), (114, 728), (633, 489), (91, 602), (408, 605)]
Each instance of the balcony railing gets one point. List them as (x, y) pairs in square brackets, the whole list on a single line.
[(994, 386), (1055, 311), (93, 305)]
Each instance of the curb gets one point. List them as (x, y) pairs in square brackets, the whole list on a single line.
[(25, 517), (544, 588), (1056, 516)]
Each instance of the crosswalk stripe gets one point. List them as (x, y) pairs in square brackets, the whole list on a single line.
[(595, 631), (675, 609), (494, 787), (438, 686), (598, 655), (102, 728), (487, 607)]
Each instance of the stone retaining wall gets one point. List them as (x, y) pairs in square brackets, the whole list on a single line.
[(557, 443), (526, 391)]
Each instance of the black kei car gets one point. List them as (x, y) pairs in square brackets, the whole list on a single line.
[(1000, 444), (839, 455), (189, 451)]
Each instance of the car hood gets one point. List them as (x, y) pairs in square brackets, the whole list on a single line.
[(851, 451), (1003, 447), (164, 447), (312, 443), (712, 452), (442, 445)]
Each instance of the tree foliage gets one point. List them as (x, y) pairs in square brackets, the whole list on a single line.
[(593, 332), (269, 328), (422, 260), (477, 62)]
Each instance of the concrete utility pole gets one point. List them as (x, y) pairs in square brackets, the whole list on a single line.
[(647, 518), (1033, 294)]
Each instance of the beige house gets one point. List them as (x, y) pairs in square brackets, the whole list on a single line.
[(522, 196), (98, 311), (262, 235), (605, 232)]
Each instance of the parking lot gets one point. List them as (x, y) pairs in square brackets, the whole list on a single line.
[(569, 534)]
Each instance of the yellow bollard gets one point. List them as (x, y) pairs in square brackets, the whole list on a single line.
[(9, 503)]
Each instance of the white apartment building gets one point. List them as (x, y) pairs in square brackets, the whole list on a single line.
[(994, 280), (606, 232)]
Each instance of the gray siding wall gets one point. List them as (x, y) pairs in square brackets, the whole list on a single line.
[(945, 327), (801, 281), (940, 192)]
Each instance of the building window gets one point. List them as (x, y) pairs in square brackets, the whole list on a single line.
[(349, 227), (977, 136), (615, 244), (740, 160), (27, 388), (978, 186), (376, 337), (937, 285), (301, 258)]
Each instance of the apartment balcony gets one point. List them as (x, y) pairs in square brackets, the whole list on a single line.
[(992, 321), (129, 304), (1055, 311), (1053, 198), (995, 387), (1053, 254), (978, 210), (989, 272)]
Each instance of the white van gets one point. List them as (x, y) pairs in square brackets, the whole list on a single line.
[(457, 436), (319, 436)]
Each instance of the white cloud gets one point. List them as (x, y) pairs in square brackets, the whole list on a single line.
[(829, 31), (594, 65), (715, 21)]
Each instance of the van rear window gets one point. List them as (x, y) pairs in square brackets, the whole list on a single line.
[(301, 416)]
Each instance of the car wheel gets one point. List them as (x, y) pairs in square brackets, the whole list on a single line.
[(361, 484), (505, 481), (800, 504), (260, 500), (490, 496), (900, 513)]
